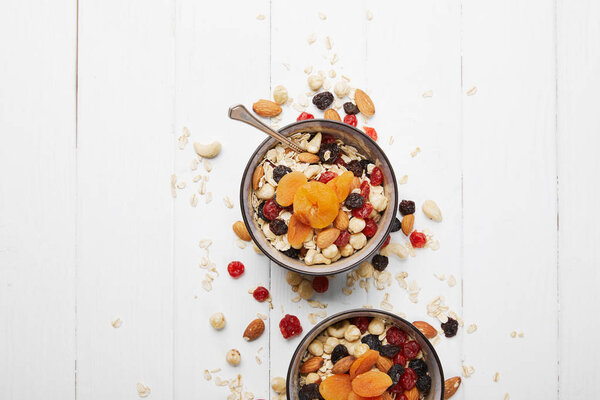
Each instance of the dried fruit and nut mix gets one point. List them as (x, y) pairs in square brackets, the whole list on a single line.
[(364, 357), (319, 205)]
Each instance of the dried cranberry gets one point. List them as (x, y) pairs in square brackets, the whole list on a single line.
[(260, 294), (370, 228), (400, 359), (271, 210), (290, 326), (407, 207), (354, 201), (304, 116), (235, 269), (340, 161), (396, 225), (356, 168), (379, 262), (323, 100), (343, 239), (351, 120), (397, 388), (329, 152), (418, 239), (326, 138), (364, 211), (320, 284), (395, 372), (395, 335), (365, 189), (410, 349), (408, 379), (371, 132), (376, 177), (327, 176), (350, 108), (278, 227), (450, 327), (387, 241), (280, 171), (362, 323)]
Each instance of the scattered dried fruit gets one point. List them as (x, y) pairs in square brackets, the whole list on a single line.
[(235, 269), (336, 387), (261, 294), (407, 207), (323, 100), (418, 239), (350, 119), (371, 132), (371, 383), (350, 108), (304, 116), (290, 326), (288, 185), (450, 327), (320, 284)]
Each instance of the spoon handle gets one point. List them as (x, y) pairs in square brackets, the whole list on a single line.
[(240, 113)]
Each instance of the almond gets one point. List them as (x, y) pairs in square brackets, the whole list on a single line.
[(384, 364), (408, 222), (355, 184), (343, 365), (326, 237), (259, 172), (308, 158), (240, 230), (341, 222), (364, 103), (254, 330), (426, 329), (332, 115), (311, 365), (266, 108), (412, 394), (451, 386)]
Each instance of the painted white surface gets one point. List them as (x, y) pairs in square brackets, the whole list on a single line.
[(89, 231)]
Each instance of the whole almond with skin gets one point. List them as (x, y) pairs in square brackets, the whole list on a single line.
[(240, 230), (333, 115), (412, 394), (259, 172), (384, 364), (342, 221), (266, 108), (429, 331), (451, 386), (254, 330), (326, 237), (343, 365), (408, 223), (355, 184), (364, 103), (311, 365), (308, 158)]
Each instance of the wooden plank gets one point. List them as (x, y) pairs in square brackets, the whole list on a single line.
[(509, 192), (37, 199), (125, 160), (222, 58), (578, 128)]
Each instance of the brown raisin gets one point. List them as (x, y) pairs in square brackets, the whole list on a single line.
[(350, 108), (323, 100)]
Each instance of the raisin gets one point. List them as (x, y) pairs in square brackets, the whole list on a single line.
[(326, 138), (376, 177), (408, 379), (292, 252), (351, 120), (356, 168), (424, 384), (340, 161), (323, 100), (290, 326), (343, 239), (372, 341), (395, 335), (407, 207), (271, 210), (350, 108), (310, 392), (396, 225), (260, 294), (279, 172), (365, 163), (362, 323), (411, 349), (320, 284), (354, 200), (389, 350), (235, 269), (380, 263), (329, 152), (304, 116), (450, 328), (340, 351), (370, 228), (278, 227), (419, 366), (259, 211), (395, 372), (418, 239)]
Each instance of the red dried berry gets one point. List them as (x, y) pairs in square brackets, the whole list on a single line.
[(362, 323), (418, 239), (411, 349), (327, 176), (235, 269), (397, 388), (320, 284), (370, 228), (271, 209), (326, 138), (371, 132), (343, 239), (376, 177), (351, 119), (387, 241), (408, 379), (365, 190), (260, 294), (290, 326), (396, 336), (304, 116), (400, 359), (363, 212), (340, 161)]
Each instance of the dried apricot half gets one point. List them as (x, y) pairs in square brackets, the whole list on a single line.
[(297, 231), (371, 383), (364, 363), (354, 396), (315, 204), (341, 185), (288, 185), (336, 387)]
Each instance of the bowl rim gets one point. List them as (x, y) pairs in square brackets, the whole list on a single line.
[(348, 314), (343, 126)]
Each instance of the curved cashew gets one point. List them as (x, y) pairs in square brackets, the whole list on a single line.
[(207, 150), (314, 145), (395, 248), (338, 330)]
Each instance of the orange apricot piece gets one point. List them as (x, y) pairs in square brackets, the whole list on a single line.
[(316, 204), (354, 396), (336, 387), (297, 231), (287, 187), (341, 185), (371, 383), (364, 363)]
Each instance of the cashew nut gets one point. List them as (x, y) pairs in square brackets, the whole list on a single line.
[(208, 150), (312, 257), (314, 145), (267, 191), (338, 330), (395, 248)]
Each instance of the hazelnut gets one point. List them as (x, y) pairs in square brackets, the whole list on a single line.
[(278, 384), (217, 320), (280, 94), (305, 289), (313, 377), (352, 333), (341, 88), (316, 348), (233, 357), (360, 349), (365, 269), (293, 278), (376, 326), (358, 240), (315, 82), (347, 250), (330, 344), (356, 225), (330, 251)]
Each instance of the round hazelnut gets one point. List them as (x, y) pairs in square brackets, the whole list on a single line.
[(217, 320), (278, 384), (233, 357)]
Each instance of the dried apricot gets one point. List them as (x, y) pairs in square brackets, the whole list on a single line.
[(288, 185), (354, 396), (371, 383), (297, 231), (315, 204), (336, 387), (341, 185), (364, 363)]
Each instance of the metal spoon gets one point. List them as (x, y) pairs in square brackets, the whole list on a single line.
[(240, 113)]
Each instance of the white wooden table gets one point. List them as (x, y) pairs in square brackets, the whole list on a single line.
[(94, 94)]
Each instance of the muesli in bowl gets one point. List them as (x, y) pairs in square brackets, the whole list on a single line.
[(319, 205)]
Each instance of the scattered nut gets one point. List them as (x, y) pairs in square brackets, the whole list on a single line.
[(266, 108), (266, 192), (308, 158), (330, 344), (408, 223), (341, 88), (280, 94), (364, 103), (293, 279), (313, 377), (332, 115), (431, 209), (233, 357), (278, 384), (239, 228), (426, 329), (315, 82), (254, 330), (305, 289), (217, 320), (451, 386), (207, 150), (343, 365), (326, 237)]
